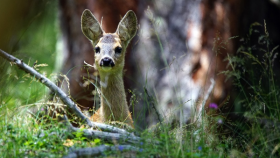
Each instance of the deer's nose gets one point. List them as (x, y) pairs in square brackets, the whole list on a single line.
[(107, 62)]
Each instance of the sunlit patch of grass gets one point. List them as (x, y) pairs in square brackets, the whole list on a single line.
[(23, 136)]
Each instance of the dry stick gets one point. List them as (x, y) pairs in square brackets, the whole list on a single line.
[(119, 134), (90, 134), (98, 151), (65, 99), (110, 128), (200, 111)]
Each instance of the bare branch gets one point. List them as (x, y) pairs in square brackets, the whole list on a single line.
[(116, 135), (64, 98), (109, 128), (98, 151), (90, 134)]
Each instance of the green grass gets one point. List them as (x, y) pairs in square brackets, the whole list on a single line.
[(251, 70), (35, 43)]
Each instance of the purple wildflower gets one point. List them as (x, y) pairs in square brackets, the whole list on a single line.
[(42, 109), (140, 150), (220, 121), (199, 148), (120, 148), (213, 106)]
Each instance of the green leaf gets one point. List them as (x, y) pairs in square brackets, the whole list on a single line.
[(97, 141)]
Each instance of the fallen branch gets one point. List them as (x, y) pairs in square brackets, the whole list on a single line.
[(64, 98), (109, 128), (114, 134), (91, 134), (98, 151)]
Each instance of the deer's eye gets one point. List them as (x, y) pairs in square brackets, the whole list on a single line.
[(97, 49), (118, 50)]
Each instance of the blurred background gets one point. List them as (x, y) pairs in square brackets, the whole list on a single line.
[(180, 46)]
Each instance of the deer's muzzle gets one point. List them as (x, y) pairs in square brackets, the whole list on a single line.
[(107, 62)]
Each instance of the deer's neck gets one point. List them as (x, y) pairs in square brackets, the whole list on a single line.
[(113, 99)]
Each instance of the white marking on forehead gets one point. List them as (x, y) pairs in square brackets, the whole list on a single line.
[(108, 38)]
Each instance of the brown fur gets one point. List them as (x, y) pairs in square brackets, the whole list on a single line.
[(113, 99)]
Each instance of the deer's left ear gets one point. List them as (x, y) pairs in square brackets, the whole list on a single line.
[(128, 26)]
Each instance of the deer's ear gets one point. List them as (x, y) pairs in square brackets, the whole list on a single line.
[(128, 26), (90, 26)]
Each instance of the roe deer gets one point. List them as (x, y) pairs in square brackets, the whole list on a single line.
[(110, 51)]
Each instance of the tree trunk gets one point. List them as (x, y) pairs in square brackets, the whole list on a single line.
[(178, 51), (181, 48)]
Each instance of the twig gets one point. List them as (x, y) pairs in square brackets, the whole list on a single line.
[(64, 98), (110, 128), (116, 135), (201, 108), (98, 151), (90, 134)]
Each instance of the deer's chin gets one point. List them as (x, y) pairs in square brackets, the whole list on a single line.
[(106, 68)]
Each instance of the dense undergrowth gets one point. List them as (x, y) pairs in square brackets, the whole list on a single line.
[(255, 133), (257, 101)]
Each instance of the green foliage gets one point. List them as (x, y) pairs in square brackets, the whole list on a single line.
[(253, 71), (258, 92), (36, 47), (21, 137)]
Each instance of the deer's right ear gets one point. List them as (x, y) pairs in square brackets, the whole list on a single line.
[(90, 26)]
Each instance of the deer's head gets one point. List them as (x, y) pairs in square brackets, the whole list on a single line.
[(109, 48)]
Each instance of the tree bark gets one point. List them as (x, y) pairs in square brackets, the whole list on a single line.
[(177, 53), (181, 48)]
